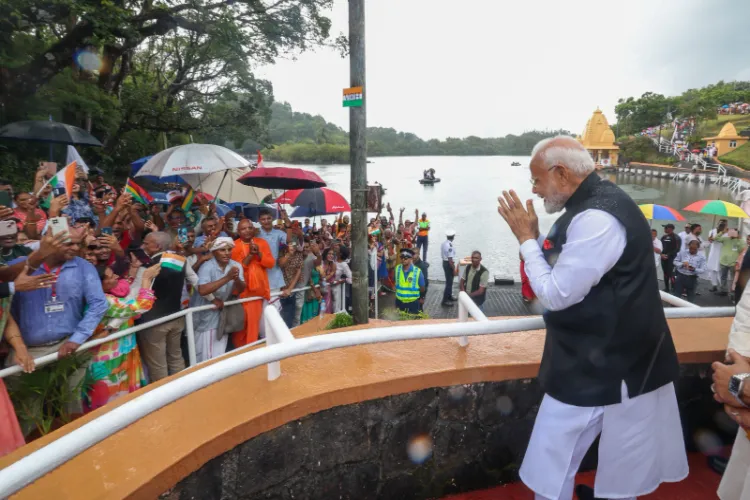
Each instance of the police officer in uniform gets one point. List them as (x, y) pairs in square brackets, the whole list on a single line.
[(410, 283), (448, 254)]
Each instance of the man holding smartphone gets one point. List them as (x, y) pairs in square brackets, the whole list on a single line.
[(63, 316)]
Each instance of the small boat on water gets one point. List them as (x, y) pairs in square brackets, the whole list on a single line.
[(515, 164), (428, 177)]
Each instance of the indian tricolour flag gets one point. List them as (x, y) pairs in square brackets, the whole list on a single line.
[(172, 261), (65, 178)]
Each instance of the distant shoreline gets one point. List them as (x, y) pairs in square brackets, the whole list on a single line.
[(267, 155)]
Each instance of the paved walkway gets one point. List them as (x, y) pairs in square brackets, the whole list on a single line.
[(506, 301)]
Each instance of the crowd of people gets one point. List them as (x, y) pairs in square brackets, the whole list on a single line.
[(102, 260), (687, 256), (86, 266)]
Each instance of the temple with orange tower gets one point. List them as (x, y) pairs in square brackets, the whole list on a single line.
[(599, 140)]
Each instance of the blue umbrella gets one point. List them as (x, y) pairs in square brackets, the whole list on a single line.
[(725, 106), (138, 164), (252, 211), (222, 209)]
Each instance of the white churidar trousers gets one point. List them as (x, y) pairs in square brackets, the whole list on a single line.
[(641, 446)]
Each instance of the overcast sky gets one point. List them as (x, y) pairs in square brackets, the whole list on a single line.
[(444, 68)]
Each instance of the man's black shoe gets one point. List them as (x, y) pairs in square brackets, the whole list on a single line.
[(717, 464), (446, 304), (586, 493)]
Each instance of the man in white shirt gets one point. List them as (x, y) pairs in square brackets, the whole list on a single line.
[(448, 254), (658, 247), (609, 361), (683, 235)]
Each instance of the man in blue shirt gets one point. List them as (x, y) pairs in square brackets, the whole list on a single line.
[(307, 227), (689, 264), (275, 239), (62, 317), (209, 226)]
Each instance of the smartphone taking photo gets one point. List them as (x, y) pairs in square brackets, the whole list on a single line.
[(8, 228)]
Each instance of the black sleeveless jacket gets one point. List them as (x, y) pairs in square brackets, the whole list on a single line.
[(167, 288), (474, 285), (618, 332)]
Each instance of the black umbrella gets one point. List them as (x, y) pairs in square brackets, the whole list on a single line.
[(47, 131)]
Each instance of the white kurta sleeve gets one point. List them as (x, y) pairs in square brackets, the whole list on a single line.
[(595, 242)]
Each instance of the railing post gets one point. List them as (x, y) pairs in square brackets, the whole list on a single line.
[(276, 333), (463, 317), (190, 333)]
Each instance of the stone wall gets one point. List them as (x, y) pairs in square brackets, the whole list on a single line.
[(424, 444)]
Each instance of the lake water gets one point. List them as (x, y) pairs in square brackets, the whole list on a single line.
[(466, 200)]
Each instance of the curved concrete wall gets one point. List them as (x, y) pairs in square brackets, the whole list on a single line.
[(153, 455), (424, 444)]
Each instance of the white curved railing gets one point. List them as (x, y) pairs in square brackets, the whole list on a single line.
[(36, 464), (189, 331)]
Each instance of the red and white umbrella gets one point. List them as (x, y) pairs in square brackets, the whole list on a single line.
[(318, 200)]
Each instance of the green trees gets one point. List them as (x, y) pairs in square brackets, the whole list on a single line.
[(649, 110), (303, 138), (138, 72), (634, 115)]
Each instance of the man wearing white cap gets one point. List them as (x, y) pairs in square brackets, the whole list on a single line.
[(222, 277), (448, 254)]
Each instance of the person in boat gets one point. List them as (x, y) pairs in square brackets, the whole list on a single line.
[(609, 362)]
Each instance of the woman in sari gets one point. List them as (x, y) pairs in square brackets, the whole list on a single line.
[(329, 275), (11, 436), (116, 368), (311, 307)]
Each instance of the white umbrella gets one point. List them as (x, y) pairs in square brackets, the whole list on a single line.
[(212, 169), (224, 186), (192, 159)]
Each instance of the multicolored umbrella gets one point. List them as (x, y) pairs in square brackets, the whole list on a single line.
[(716, 207), (660, 212)]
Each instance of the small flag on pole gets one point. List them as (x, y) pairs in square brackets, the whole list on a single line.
[(259, 163), (187, 200), (172, 261), (73, 156), (139, 194), (65, 178)]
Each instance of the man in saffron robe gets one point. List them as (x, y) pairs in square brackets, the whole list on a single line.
[(255, 256)]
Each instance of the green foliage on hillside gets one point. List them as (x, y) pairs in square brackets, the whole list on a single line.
[(303, 138), (641, 149), (636, 114), (740, 157)]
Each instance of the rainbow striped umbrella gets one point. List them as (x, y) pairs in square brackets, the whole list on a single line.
[(660, 212), (716, 207)]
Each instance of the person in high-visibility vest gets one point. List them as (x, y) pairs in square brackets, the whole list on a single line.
[(410, 284), (422, 239)]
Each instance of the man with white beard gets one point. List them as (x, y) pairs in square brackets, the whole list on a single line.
[(609, 361)]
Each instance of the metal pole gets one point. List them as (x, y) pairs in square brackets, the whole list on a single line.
[(190, 338), (358, 158)]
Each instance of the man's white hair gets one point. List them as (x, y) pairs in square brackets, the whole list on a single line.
[(164, 240), (564, 150)]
